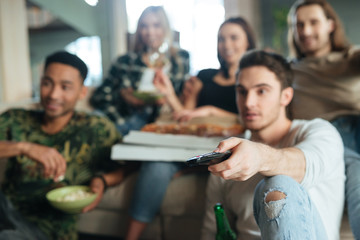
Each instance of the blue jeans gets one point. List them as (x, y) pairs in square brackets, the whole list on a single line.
[(150, 188), (349, 129), (135, 122), (294, 217), (352, 189), (14, 226)]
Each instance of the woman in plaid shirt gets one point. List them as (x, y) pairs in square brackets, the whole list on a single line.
[(154, 52)]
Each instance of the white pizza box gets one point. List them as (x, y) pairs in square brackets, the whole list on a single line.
[(171, 140), (129, 152)]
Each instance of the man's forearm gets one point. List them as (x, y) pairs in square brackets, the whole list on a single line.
[(10, 149), (115, 177), (287, 161)]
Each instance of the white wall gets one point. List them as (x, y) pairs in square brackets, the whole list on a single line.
[(248, 9), (15, 74)]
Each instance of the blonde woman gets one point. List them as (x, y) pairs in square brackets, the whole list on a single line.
[(153, 52)]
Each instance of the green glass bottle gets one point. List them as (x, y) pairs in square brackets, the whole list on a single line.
[(224, 231)]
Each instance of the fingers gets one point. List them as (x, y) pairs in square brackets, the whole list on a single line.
[(243, 162), (192, 87), (193, 80), (97, 186), (157, 79), (93, 204), (183, 116), (131, 99), (127, 94), (227, 167), (228, 144), (161, 77), (55, 166), (177, 115), (161, 101), (60, 168)]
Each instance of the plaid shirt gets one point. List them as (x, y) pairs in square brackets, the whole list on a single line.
[(126, 72)]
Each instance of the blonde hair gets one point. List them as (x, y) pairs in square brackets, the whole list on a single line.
[(337, 37), (159, 11)]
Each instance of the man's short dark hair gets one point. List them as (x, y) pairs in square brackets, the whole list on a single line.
[(275, 63), (68, 59)]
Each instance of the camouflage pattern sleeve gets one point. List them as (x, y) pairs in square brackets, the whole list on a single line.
[(5, 121), (106, 136)]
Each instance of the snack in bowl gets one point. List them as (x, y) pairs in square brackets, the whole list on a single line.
[(71, 199), (147, 97)]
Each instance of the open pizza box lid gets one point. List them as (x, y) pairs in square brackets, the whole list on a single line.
[(155, 146)]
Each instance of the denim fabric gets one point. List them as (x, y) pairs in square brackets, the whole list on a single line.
[(14, 226), (294, 217), (134, 122), (150, 188), (352, 189), (349, 129)]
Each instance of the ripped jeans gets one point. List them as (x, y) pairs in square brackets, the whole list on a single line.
[(293, 217)]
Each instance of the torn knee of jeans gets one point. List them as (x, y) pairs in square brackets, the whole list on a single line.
[(274, 203)]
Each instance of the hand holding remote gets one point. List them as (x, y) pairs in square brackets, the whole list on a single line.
[(208, 158)]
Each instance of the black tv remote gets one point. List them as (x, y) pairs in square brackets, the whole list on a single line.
[(208, 158)]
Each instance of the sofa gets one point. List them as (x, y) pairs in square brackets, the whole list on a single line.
[(180, 216)]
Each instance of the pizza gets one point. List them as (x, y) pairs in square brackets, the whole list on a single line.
[(198, 129)]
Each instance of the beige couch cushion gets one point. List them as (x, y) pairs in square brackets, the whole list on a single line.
[(180, 215)]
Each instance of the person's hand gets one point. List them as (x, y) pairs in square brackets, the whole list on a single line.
[(182, 116), (128, 96), (53, 162), (163, 83), (96, 186), (192, 87), (161, 101), (244, 162), (186, 115)]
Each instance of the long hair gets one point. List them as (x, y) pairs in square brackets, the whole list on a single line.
[(250, 39), (337, 37), (159, 11)]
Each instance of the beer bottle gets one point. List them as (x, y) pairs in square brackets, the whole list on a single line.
[(224, 231)]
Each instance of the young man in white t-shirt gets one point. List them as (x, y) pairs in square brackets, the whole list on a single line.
[(287, 180)]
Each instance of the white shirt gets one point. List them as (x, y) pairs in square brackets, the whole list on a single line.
[(324, 180)]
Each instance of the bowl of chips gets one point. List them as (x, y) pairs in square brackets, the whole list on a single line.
[(71, 199)]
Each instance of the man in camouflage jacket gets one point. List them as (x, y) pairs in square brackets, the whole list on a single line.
[(51, 148)]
